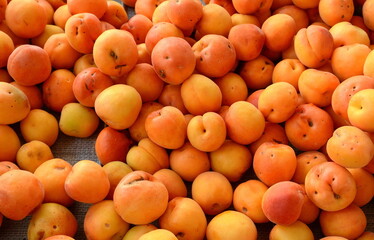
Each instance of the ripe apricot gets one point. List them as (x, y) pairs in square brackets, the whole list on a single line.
[(57, 90), (309, 127), (233, 88), (247, 199), (158, 234), (171, 96), (136, 231), (101, 221), (118, 106), (61, 15), (51, 219), (173, 59), (211, 14), (9, 142), (257, 73), (138, 25), (211, 47), (288, 70), (132, 196), (40, 125), (330, 186), (6, 166), (364, 184), (115, 170), (159, 31), (166, 127), (298, 14), (247, 7), (248, 40), (173, 182), (98, 8), (26, 19), (238, 18), (83, 62), (231, 159), (111, 58), (278, 111), (16, 188), (305, 161), (360, 112), (243, 117), (345, 33), (175, 218), (350, 147), (52, 174), (22, 68), (317, 86), (6, 43), (313, 46), (184, 14), (231, 224), (31, 154), (197, 98), (269, 158), (212, 191), (367, 7), (189, 162), (115, 14), (335, 11), (87, 182), (292, 231)]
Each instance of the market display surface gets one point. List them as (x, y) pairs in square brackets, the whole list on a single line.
[(182, 119)]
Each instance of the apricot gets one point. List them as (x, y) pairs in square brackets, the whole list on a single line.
[(61, 15), (9, 142), (283, 201), (298, 14), (51, 219), (71, 124), (231, 224), (59, 237), (31, 154), (52, 174), (257, 73), (173, 182), (160, 13), (305, 161), (367, 235), (269, 158), (233, 88), (167, 127), (197, 98), (247, 7), (366, 9), (87, 182), (313, 46), (115, 170), (309, 211), (208, 21), (279, 30), (146, 81), (288, 70), (335, 11), (158, 234), (40, 125), (309, 128), (171, 96), (7, 45), (159, 31), (345, 33), (248, 40), (349, 222), (212, 191), (136, 231), (273, 132), (211, 47), (6, 166), (98, 8), (138, 25), (26, 19), (147, 156), (101, 221), (189, 162), (16, 188), (364, 184), (177, 219), (57, 90), (22, 68), (350, 147), (231, 159), (330, 186), (278, 111), (238, 18), (295, 231), (360, 112), (244, 115), (118, 106), (247, 199), (140, 198), (173, 59), (317, 86), (111, 58), (137, 129), (115, 14), (206, 132), (184, 14)]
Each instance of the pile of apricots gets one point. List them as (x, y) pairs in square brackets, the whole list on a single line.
[(186, 98)]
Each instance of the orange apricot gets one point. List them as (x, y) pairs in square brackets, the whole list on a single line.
[(138, 25), (211, 14), (305, 161), (185, 13), (98, 8), (115, 14), (9, 142), (159, 31), (257, 73), (173, 182), (288, 70), (233, 88), (7, 46), (335, 11)]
